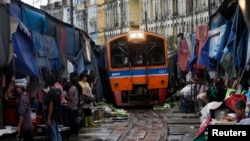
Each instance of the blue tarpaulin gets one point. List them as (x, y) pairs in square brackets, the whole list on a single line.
[(70, 38), (25, 60), (193, 56), (34, 20), (241, 50), (212, 50), (47, 52), (15, 11)]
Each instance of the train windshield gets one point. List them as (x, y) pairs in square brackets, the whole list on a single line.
[(137, 53)]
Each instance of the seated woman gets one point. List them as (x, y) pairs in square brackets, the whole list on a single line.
[(217, 91)]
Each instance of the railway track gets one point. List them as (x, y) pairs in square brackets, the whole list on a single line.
[(146, 125)]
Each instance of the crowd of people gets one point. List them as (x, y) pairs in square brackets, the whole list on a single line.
[(68, 103), (217, 90)]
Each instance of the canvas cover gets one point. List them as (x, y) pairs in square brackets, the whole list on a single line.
[(70, 38), (47, 52), (212, 50), (35, 20), (15, 11), (236, 31), (201, 37), (184, 56), (22, 43), (198, 41), (192, 54), (79, 62), (241, 51), (77, 42), (51, 26), (238, 27), (4, 36)]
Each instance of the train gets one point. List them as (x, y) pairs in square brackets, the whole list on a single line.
[(137, 71)]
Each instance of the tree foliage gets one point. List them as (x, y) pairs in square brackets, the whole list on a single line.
[(171, 42)]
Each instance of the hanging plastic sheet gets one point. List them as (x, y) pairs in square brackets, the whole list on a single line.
[(53, 53), (70, 38), (86, 49), (223, 14), (217, 21), (4, 36), (198, 42), (25, 60), (51, 26), (238, 27), (223, 40), (212, 50), (241, 50), (34, 19), (15, 10), (183, 56), (77, 42), (47, 52), (101, 57), (62, 37), (189, 43), (192, 54), (79, 62)]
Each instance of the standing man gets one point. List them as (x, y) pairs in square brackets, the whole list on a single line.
[(53, 108), (24, 126)]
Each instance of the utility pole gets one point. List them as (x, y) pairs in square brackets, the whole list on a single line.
[(71, 12), (209, 12), (192, 16), (122, 16), (146, 20)]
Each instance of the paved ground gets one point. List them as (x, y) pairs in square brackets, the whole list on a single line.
[(141, 125), (144, 125)]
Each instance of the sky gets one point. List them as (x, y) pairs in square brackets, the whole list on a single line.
[(35, 3)]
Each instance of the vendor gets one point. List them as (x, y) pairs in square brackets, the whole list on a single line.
[(217, 91), (240, 110)]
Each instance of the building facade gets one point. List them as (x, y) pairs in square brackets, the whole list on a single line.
[(103, 19)]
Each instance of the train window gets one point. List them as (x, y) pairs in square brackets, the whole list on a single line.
[(119, 53), (139, 59), (137, 55), (156, 56)]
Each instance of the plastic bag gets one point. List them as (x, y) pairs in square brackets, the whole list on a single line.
[(232, 99)]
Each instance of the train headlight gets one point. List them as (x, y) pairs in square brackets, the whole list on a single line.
[(136, 35)]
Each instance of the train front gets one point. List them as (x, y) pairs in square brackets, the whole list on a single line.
[(138, 68)]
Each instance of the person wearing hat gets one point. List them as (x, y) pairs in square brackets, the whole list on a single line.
[(24, 125)]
